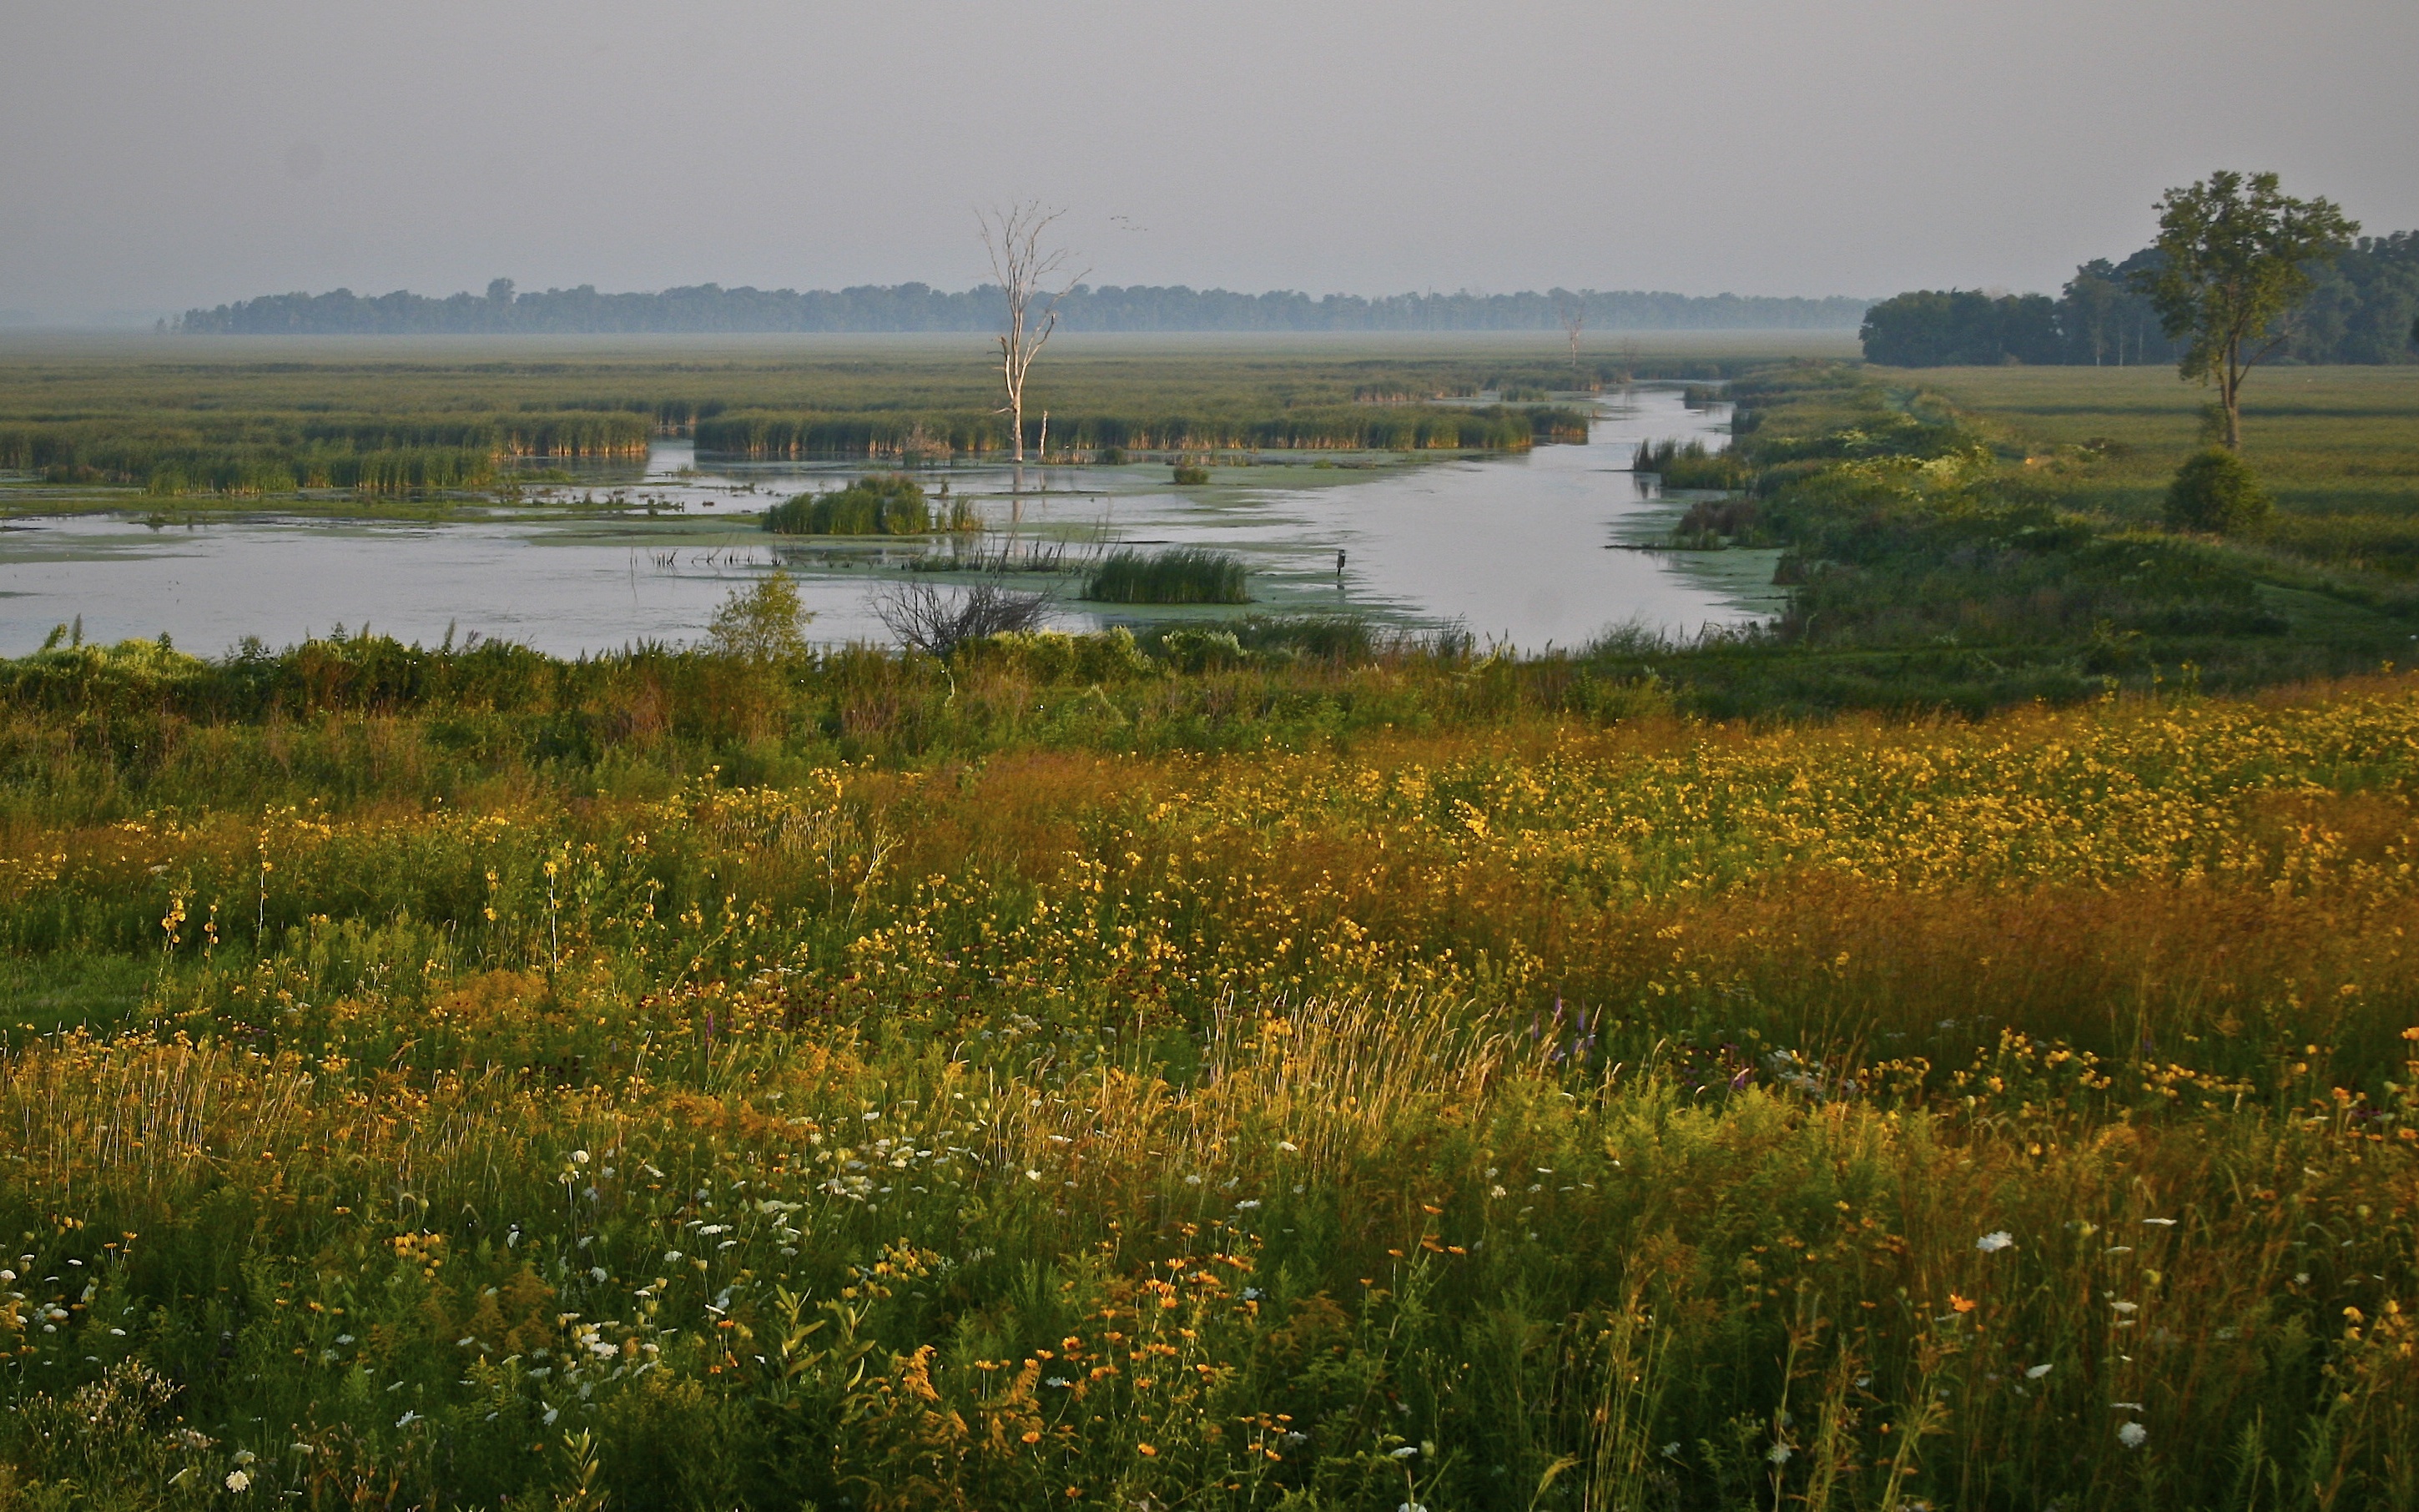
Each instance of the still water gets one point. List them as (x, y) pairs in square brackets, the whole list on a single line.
[(1526, 550)]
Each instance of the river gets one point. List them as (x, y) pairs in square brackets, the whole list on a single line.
[(1526, 550)]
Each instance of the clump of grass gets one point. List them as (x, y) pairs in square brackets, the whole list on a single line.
[(885, 504), (1690, 465), (1181, 574), (1190, 476)]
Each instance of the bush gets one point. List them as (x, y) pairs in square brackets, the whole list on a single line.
[(1182, 575), (1188, 475), (2217, 491), (760, 625), (886, 504)]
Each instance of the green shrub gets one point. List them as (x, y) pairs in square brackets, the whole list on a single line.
[(2216, 490), (886, 503), (1188, 475), (1182, 575)]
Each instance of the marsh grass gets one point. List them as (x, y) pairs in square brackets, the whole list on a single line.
[(1176, 575), (880, 504)]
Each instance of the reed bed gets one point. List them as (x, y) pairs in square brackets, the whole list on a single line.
[(1501, 1109), (941, 435), (254, 453), (1178, 575)]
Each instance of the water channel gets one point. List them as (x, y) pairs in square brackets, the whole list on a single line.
[(1526, 550)]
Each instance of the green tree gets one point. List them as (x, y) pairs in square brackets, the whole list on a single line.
[(2236, 257), (763, 624)]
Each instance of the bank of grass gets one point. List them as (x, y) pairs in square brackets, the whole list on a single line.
[(1176, 575), (440, 1082), (1957, 557)]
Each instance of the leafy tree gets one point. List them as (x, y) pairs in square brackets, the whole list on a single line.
[(2236, 256), (763, 624), (2215, 490)]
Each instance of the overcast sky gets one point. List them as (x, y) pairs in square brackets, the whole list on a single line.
[(156, 154)]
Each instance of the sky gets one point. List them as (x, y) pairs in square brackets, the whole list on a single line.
[(159, 154)]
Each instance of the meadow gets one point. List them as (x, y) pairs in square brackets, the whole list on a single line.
[(1343, 1074), (2331, 442)]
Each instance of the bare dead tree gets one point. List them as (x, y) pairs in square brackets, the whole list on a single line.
[(937, 621), (1573, 309), (1034, 277)]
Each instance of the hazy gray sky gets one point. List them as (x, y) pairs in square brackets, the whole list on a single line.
[(161, 153)]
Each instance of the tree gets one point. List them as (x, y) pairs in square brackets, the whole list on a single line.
[(2236, 261), (2087, 308), (1572, 308), (1028, 272)]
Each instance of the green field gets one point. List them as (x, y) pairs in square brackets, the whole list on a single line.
[(2329, 439)]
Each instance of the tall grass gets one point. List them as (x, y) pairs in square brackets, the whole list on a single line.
[(1848, 1114), (1178, 575)]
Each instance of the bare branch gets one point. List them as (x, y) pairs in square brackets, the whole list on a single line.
[(1034, 278), (936, 622)]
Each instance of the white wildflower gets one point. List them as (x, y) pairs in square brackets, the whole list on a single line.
[(2038, 1371), (2133, 1435), (237, 1481), (1991, 1243)]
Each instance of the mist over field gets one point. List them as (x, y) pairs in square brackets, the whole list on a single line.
[(163, 157)]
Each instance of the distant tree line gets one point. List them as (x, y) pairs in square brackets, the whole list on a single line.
[(906, 307), (2362, 309)]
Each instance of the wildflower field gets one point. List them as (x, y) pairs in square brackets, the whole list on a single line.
[(1349, 1082)]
